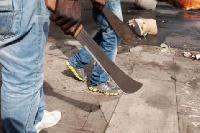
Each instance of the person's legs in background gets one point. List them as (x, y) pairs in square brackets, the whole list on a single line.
[(107, 39)]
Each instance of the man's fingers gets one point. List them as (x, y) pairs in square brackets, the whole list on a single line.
[(54, 17), (72, 30), (61, 21), (67, 25), (67, 14), (99, 5)]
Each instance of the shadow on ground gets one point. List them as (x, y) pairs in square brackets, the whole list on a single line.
[(88, 107)]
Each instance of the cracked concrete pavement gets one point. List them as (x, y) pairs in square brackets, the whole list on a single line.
[(168, 102)]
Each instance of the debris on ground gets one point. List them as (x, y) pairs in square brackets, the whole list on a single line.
[(187, 54), (164, 47), (197, 56), (136, 49), (191, 55), (144, 26)]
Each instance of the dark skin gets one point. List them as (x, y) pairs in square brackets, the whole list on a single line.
[(99, 4), (68, 14)]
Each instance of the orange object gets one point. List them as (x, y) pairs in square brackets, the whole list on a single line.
[(51, 5), (78, 30), (189, 4)]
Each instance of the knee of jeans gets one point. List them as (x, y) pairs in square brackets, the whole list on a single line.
[(21, 78), (15, 98)]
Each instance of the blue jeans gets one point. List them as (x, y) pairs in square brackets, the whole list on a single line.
[(23, 35), (106, 38)]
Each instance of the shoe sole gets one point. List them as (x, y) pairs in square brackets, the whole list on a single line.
[(74, 72), (103, 92), (50, 125), (38, 131)]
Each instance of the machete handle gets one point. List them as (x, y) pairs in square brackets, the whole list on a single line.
[(78, 30), (51, 5)]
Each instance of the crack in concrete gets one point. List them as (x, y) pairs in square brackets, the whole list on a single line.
[(131, 68), (175, 81), (112, 115), (85, 122), (101, 109)]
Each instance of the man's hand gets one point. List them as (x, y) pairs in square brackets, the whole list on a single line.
[(67, 15), (99, 4)]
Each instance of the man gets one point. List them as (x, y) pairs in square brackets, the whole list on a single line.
[(23, 35), (107, 39)]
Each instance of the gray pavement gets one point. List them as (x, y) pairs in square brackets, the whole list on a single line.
[(168, 102)]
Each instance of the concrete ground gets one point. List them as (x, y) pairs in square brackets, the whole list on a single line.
[(169, 100)]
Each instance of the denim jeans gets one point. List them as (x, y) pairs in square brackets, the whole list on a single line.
[(23, 35), (106, 38)]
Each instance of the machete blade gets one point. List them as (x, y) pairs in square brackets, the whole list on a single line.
[(121, 29), (126, 83)]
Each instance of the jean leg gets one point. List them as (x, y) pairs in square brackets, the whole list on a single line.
[(80, 59), (41, 107), (109, 40), (105, 38), (83, 57), (22, 58)]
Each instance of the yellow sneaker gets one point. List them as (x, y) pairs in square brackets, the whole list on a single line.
[(107, 89), (78, 72)]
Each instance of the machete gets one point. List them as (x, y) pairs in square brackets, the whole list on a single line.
[(121, 29), (126, 83)]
